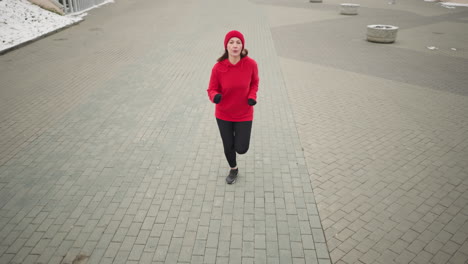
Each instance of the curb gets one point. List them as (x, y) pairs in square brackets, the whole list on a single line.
[(27, 42)]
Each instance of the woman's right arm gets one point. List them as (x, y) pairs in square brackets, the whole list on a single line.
[(213, 87)]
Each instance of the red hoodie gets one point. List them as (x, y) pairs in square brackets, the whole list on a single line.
[(236, 83)]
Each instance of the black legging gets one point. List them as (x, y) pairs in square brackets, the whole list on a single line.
[(236, 138)]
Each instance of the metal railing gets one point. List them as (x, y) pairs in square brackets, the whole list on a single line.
[(73, 6)]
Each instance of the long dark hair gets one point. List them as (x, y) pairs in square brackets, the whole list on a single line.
[(244, 53)]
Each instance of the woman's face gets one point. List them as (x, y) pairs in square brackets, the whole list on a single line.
[(234, 47)]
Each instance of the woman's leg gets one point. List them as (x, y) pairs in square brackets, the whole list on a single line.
[(226, 129), (242, 131)]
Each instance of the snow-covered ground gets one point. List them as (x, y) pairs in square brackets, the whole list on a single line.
[(454, 4), (21, 21)]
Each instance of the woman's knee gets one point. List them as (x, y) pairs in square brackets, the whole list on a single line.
[(242, 150)]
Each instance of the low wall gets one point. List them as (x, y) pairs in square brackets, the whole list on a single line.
[(48, 5)]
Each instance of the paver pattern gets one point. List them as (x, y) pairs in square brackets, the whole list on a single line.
[(110, 153), (384, 127)]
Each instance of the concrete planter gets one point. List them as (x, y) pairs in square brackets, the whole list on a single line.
[(315, 1), (381, 33), (349, 9)]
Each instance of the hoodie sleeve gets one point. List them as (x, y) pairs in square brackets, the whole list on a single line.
[(213, 86), (254, 82)]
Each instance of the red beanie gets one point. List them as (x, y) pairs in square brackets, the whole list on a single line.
[(234, 34)]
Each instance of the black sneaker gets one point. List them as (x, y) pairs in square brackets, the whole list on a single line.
[(231, 178)]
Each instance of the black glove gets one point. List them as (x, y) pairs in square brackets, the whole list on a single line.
[(217, 99), (252, 102)]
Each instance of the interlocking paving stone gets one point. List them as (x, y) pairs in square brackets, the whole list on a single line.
[(381, 126), (117, 157)]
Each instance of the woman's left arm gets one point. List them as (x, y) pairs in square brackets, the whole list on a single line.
[(254, 83)]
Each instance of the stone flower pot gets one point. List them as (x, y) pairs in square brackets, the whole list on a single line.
[(349, 9), (382, 33)]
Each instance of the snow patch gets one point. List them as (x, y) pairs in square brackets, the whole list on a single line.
[(450, 4), (21, 21)]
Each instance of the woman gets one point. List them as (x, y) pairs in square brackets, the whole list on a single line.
[(233, 88)]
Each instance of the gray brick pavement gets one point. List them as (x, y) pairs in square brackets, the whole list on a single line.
[(116, 157), (382, 126)]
